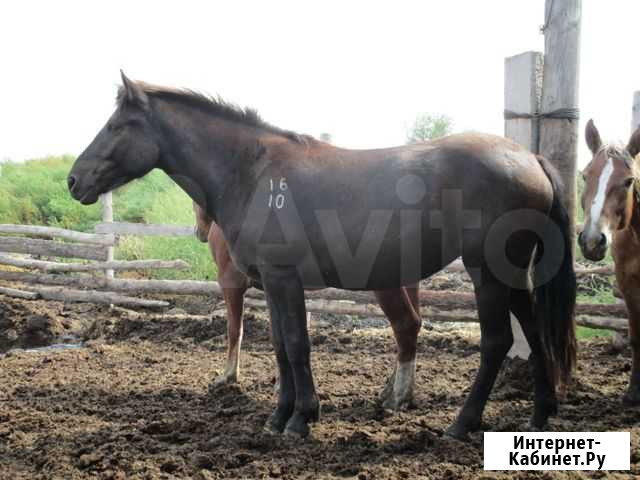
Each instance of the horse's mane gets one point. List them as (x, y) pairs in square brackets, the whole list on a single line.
[(619, 151), (215, 106)]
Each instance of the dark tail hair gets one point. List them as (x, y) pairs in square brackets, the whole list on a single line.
[(556, 297)]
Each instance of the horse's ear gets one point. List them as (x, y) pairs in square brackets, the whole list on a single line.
[(132, 93), (593, 137), (633, 147)]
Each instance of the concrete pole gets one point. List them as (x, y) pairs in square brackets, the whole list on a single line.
[(635, 112)]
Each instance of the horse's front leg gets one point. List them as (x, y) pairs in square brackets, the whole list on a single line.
[(234, 285), (297, 403), (632, 299)]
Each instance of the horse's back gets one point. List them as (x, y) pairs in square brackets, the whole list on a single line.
[(374, 219), (488, 168)]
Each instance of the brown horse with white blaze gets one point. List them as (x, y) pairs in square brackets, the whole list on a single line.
[(398, 392), (611, 203)]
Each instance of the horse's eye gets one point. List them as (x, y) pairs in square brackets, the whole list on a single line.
[(115, 127), (628, 182)]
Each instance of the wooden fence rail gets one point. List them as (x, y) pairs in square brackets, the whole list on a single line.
[(429, 298), (458, 266), (93, 296), (50, 267), (55, 232), (36, 246), (141, 229), (48, 281)]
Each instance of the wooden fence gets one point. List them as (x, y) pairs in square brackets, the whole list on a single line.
[(90, 282)]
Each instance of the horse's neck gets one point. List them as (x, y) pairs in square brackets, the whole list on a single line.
[(633, 227), (202, 158), (634, 224)]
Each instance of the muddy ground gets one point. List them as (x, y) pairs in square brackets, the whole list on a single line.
[(133, 401)]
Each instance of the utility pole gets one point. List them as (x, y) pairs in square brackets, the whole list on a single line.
[(559, 106)]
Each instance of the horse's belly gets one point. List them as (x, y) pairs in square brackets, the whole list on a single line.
[(375, 264)]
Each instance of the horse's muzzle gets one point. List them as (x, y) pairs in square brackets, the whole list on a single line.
[(200, 235), (86, 197), (593, 248)]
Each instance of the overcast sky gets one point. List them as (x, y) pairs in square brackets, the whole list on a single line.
[(358, 70)]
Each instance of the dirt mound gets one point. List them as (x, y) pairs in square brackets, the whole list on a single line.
[(29, 324), (134, 403)]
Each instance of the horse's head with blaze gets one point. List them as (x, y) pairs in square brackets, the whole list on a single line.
[(611, 183), (124, 149)]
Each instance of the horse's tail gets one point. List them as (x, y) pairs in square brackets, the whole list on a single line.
[(556, 297)]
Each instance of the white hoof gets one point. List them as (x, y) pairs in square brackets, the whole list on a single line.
[(223, 380), (398, 392)]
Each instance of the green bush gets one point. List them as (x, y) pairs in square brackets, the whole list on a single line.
[(35, 193)]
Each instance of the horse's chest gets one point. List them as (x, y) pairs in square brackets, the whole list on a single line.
[(625, 251)]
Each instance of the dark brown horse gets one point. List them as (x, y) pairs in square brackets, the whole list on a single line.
[(611, 203), (299, 213), (399, 389)]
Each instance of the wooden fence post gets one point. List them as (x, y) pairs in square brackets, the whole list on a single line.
[(559, 106), (635, 112), (107, 216), (522, 91)]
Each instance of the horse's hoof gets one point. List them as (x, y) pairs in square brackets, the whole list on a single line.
[(315, 413), (297, 427), (457, 432), (278, 420), (462, 427), (387, 390), (398, 391), (631, 398), (397, 404), (270, 428), (275, 424), (273, 428), (221, 382), (537, 424), (541, 414)]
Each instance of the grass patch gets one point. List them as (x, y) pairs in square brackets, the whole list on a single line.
[(191, 250), (172, 206), (35, 193), (586, 333), (600, 290)]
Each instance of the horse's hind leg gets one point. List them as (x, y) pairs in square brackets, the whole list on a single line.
[(413, 291), (545, 403), (405, 322), (492, 298)]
